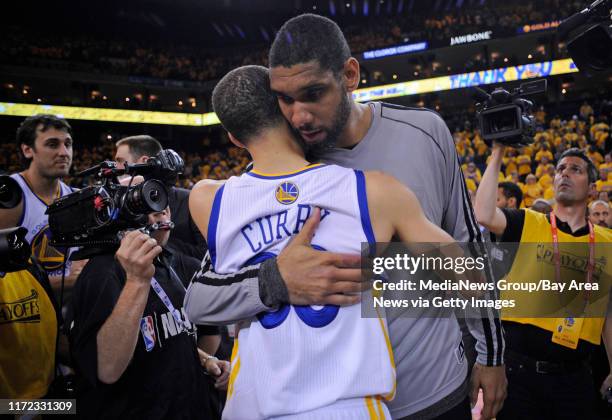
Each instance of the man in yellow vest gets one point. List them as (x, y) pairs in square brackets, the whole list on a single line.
[(29, 321), (547, 357)]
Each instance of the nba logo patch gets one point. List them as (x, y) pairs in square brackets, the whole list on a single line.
[(148, 332), (286, 193)]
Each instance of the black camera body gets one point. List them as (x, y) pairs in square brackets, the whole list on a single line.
[(92, 217), (15, 251), (589, 37), (10, 192), (507, 117)]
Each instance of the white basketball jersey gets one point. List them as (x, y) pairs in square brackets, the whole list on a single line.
[(34, 219), (300, 361)]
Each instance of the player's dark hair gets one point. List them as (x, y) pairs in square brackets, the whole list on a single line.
[(26, 133), (244, 102), (309, 37)]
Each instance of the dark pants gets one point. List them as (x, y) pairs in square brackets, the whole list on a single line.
[(533, 395), (461, 411)]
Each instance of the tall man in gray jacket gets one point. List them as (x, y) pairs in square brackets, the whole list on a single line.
[(313, 76)]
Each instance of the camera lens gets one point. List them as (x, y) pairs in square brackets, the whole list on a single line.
[(154, 196), (10, 192), (148, 197)]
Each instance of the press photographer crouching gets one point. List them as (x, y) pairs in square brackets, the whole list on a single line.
[(29, 315), (134, 350)]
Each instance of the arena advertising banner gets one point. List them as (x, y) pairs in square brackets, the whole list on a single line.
[(469, 38), (464, 80), (541, 26), (110, 115), (396, 50), (414, 87)]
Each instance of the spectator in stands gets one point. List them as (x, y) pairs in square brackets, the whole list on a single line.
[(546, 179), (532, 190), (472, 172), (586, 111), (594, 155), (599, 213), (544, 166)]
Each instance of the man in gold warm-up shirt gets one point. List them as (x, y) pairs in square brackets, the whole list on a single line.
[(28, 330), (546, 357)]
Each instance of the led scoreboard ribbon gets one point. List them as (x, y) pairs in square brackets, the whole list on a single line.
[(414, 87)]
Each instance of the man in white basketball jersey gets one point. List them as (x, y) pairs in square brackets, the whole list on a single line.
[(45, 143), (300, 362)]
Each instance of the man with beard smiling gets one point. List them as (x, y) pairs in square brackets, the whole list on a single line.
[(313, 75)]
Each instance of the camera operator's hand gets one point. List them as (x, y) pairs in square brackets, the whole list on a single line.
[(136, 255), (131, 180)]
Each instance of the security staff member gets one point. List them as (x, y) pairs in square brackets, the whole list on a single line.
[(546, 358)]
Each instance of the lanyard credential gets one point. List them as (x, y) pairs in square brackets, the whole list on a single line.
[(557, 256), (168, 304)]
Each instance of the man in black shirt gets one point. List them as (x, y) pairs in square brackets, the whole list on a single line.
[(546, 359), (185, 237), (134, 349)]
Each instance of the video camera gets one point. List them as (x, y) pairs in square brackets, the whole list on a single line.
[(590, 36), (506, 117), (92, 217), (15, 250)]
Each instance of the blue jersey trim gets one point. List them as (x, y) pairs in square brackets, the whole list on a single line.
[(366, 223), (259, 258), (260, 176), (211, 238)]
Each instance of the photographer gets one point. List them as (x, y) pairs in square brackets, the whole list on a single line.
[(185, 237), (134, 349), (549, 377), (29, 320), (45, 142)]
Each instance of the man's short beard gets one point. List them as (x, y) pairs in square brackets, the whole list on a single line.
[(316, 150), (568, 199)]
